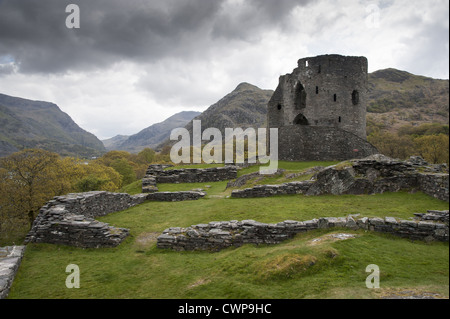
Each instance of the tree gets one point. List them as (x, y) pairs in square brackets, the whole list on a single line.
[(433, 148), (392, 145), (30, 176), (125, 170), (94, 176), (147, 155)]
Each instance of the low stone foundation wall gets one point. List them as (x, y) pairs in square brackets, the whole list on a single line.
[(175, 196), (156, 174), (10, 259), (219, 235), (435, 185), (69, 220), (271, 190), (196, 175)]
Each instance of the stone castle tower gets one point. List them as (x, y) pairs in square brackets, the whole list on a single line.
[(320, 109)]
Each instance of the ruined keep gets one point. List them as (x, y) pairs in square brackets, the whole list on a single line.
[(320, 110)]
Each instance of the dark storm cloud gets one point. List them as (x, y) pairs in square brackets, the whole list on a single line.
[(35, 35), (245, 20)]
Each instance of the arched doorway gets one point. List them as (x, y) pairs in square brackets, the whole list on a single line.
[(301, 120)]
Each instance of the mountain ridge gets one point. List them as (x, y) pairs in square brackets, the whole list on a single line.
[(396, 99), (150, 136), (245, 106), (38, 124)]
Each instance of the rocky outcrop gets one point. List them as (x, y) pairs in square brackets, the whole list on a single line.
[(216, 236)]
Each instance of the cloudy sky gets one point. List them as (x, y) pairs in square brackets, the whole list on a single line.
[(133, 63)]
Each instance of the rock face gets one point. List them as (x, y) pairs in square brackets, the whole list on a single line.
[(10, 259), (220, 235), (372, 175), (320, 110)]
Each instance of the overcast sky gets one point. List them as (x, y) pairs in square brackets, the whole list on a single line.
[(133, 63)]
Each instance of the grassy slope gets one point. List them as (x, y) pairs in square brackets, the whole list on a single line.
[(137, 269)]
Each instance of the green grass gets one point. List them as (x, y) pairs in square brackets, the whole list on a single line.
[(292, 167), (293, 269), (133, 188)]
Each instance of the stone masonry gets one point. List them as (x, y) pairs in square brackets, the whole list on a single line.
[(157, 174), (372, 175), (320, 110), (216, 236), (10, 259), (272, 190), (69, 220)]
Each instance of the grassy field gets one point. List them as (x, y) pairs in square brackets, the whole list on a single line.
[(295, 269)]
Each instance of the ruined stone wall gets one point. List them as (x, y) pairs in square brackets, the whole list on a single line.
[(272, 190), (216, 236), (372, 175), (435, 185), (157, 174), (175, 196), (69, 220), (10, 259)]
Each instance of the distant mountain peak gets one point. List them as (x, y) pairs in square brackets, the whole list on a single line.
[(245, 106), (392, 75), (150, 136), (245, 86)]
